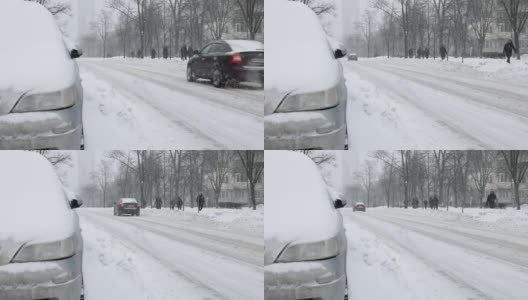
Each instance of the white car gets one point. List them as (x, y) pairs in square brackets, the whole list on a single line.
[(304, 86), (40, 238), (305, 242), (41, 95)]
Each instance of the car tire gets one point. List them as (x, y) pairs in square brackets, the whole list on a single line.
[(191, 76), (218, 81)]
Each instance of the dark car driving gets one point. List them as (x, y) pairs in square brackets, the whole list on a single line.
[(126, 206), (228, 61)]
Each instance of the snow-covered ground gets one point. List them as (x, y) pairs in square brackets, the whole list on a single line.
[(148, 104), (216, 254), (424, 254), (425, 104)]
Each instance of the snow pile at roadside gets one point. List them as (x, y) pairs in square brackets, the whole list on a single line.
[(245, 219), (503, 218)]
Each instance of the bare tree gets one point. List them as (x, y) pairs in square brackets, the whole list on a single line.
[(481, 18), (218, 16), (219, 165), (367, 28), (103, 177), (55, 7), (253, 163), (253, 14), (320, 157), (481, 163), (103, 26), (517, 164), (517, 13), (320, 7), (56, 158), (366, 176)]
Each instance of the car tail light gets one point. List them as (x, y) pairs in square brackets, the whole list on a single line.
[(236, 59), (122, 205)]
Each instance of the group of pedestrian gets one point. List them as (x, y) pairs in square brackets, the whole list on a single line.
[(421, 53), (186, 52), (433, 202), (176, 203)]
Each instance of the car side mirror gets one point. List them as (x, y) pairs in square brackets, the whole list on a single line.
[(196, 52), (75, 53), (75, 203), (338, 53), (339, 203)]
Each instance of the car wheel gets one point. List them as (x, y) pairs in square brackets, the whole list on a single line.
[(191, 76), (217, 79)]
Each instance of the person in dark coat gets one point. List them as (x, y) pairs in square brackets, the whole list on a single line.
[(190, 51), (158, 202), (179, 203), (201, 201), (435, 202), (509, 48), (491, 200), (426, 52), (425, 204), (172, 204), (183, 52), (443, 52), (411, 53), (419, 53)]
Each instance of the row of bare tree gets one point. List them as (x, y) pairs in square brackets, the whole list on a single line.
[(456, 175), (455, 24), (145, 175), (163, 26)]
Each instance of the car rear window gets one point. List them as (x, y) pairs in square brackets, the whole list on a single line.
[(128, 200), (243, 45)]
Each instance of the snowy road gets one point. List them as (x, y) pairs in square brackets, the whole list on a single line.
[(419, 254), (408, 104), (169, 256), (149, 104)]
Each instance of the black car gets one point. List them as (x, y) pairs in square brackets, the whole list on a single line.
[(228, 61), (126, 206)]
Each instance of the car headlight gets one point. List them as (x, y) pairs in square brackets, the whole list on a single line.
[(46, 101), (313, 251), (310, 101), (46, 251)]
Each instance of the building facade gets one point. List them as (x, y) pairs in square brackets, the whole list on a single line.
[(237, 28), (502, 185), (501, 31)]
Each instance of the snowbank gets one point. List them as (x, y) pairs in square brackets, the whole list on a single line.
[(298, 205), (33, 55), (32, 200)]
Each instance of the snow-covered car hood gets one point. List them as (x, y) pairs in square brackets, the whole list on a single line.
[(299, 58), (33, 56), (298, 207), (34, 208)]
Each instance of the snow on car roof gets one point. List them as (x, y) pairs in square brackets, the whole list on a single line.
[(32, 200), (128, 200), (360, 203), (299, 57), (298, 206), (33, 55), (245, 45)]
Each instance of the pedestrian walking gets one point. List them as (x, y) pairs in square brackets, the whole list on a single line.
[(491, 200), (179, 203), (426, 53), (443, 52), (183, 52), (509, 48)]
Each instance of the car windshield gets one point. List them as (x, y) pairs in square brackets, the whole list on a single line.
[(31, 195), (25, 44), (291, 45)]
